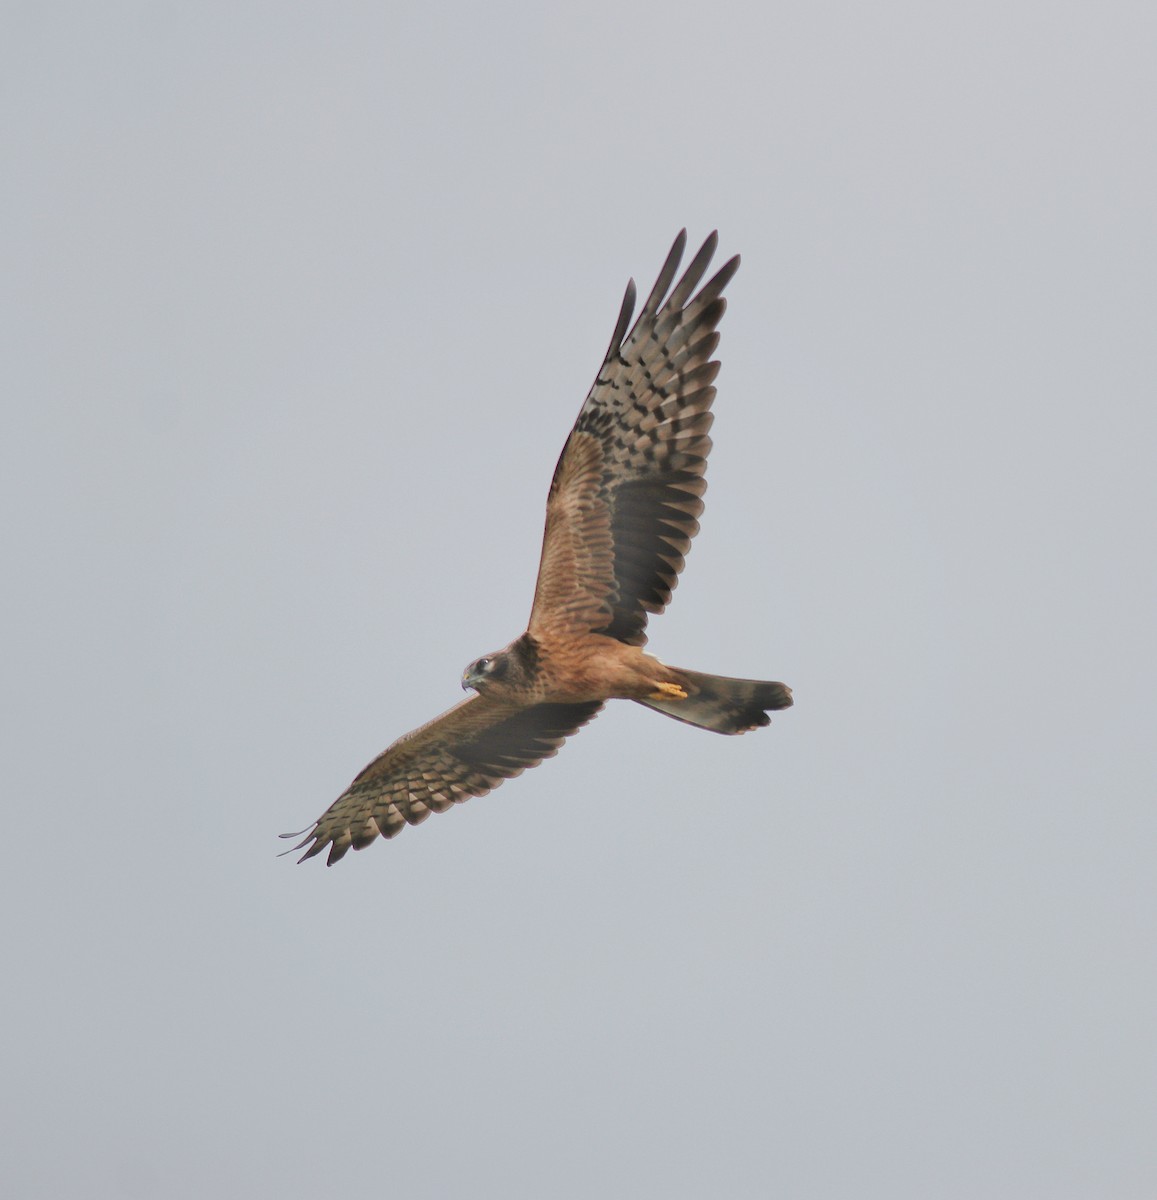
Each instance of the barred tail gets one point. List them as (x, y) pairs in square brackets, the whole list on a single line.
[(723, 705)]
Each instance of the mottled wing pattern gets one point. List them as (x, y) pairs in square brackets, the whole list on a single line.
[(465, 752), (576, 586), (628, 488)]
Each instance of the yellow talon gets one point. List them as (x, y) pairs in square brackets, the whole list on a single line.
[(669, 691)]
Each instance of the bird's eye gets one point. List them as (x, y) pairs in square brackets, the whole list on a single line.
[(482, 665)]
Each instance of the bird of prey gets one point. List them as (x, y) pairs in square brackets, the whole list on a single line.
[(620, 515)]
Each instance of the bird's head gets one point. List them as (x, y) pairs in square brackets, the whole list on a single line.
[(492, 668)]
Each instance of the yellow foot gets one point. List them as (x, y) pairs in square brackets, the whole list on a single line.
[(669, 691)]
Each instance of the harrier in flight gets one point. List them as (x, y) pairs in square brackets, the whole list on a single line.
[(621, 513)]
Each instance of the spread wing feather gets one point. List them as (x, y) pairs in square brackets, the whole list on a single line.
[(465, 752), (628, 489)]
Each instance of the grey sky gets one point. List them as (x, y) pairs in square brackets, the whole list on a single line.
[(299, 303)]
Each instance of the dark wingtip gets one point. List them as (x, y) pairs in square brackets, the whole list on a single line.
[(308, 832), (626, 312), (310, 836), (336, 853)]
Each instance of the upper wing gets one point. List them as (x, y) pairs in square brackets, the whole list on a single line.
[(465, 752), (628, 488)]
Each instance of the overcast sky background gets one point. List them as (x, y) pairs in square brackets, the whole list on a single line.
[(299, 304)]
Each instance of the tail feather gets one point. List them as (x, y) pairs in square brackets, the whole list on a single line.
[(721, 704)]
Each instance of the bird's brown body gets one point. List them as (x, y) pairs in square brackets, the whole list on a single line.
[(622, 510), (590, 667)]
